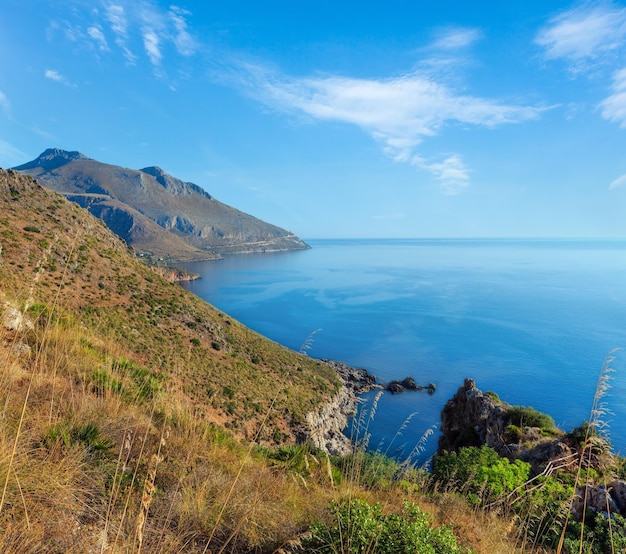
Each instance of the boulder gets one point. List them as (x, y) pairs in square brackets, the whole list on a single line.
[(394, 387), (410, 384), (472, 418)]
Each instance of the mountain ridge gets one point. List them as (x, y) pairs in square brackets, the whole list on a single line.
[(159, 215)]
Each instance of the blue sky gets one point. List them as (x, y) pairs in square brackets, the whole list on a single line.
[(338, 119)]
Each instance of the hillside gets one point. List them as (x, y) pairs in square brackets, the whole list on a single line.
[(136, 417), (158, 215), (100, 353)]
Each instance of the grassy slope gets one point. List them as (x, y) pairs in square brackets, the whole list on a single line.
[(130, 408)]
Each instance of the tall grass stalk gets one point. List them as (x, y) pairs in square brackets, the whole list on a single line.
[(308, 342), (244, 461), (134, 478), (597, 426)]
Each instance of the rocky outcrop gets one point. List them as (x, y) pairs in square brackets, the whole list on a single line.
[(408, 383), (474, 418), (174, 274), (324, 427), (605, 499)]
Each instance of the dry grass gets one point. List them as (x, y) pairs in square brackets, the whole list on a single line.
[(131, 412)]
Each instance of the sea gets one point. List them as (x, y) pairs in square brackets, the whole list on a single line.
[(538, 322)]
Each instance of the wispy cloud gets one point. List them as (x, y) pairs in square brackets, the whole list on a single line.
[(455, 38), (151, 44), (452, 172), (185, 44), (10, 156), (584, 34), (54, 75), (591, 39), (619, 182), (95, 32), (159, 27), (5, 105), (399, 113), (116, 17), (613, 108), (160, 32)]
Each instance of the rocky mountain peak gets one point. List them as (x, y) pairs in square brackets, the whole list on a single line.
[(172, 184), (53, 158)]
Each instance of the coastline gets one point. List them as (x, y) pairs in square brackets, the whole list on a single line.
[(325, 426)]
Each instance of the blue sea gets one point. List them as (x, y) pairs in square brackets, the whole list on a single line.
[(532, 320)]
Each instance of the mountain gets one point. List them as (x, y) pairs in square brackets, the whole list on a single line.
[(158, 215)]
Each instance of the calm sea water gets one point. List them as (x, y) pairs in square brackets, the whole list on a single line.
[(533, 320)]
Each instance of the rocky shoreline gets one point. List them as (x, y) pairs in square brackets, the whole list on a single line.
[(325, 426)]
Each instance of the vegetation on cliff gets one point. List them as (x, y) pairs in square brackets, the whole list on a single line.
[(135, 417), (567, 490)]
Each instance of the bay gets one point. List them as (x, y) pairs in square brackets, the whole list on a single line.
[(532, 320)]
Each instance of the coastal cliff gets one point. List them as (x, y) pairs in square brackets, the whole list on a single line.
[(472, 418), (325, 426)]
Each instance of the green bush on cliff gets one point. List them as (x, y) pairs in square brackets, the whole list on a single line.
[(359, 527), (525, 416), (599, 535), (479, 472)]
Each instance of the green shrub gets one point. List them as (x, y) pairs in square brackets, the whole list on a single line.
[(512, 434), (102, 381), (361, 528), (599, 535), (32, 229), (587, 436), (480, 472), (493, 395), (86, 435), (525, 416), (370, 469)]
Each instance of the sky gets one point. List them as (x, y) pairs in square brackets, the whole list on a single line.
[(338, 119)]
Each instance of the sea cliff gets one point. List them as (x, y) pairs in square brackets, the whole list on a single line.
[(325, 426)]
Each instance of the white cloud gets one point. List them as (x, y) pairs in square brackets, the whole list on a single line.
[(456, 38), (452, 172), (619, 182), (130, 23), (184, 42), (95, 32), (5, 105), (587, 32), (116, 16), (614, 106), (54, 75), (398, 113), (151, 44), (10, 156)]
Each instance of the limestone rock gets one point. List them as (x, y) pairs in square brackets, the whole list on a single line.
[(472, 418), (325, 426)]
